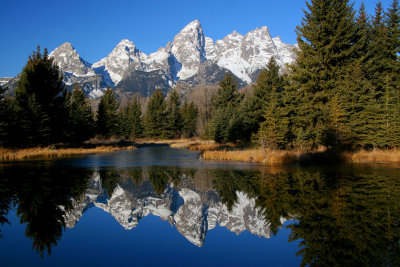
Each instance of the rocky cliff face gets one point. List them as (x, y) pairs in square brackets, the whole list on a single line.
[(188, 48), (191, 58), (192, 211), (75, 70)]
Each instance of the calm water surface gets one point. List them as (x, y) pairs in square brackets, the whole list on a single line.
[(163, 206)]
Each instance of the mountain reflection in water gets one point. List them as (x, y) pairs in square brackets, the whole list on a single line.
[(346, 217)]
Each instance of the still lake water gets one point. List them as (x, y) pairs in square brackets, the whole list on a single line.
[(162, 206)]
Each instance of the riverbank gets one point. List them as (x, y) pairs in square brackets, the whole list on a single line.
[(376, 155), (235, 152), (7, 155), (269, 157)]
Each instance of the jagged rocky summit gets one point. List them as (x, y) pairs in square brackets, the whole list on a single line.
[(193, 212), (191, 59)]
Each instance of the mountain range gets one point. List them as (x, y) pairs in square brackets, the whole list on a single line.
[(191, 59)]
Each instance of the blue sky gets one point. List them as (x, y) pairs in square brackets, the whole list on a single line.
[(95, 27)]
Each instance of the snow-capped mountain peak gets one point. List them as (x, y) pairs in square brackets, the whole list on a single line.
[(66, 46), (192, 26), (188, 49), (119, 60), (68, 60)]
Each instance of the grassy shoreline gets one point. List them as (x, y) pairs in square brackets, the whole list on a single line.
[(8, 155), (209, 150), (270, 157), (233, 152)]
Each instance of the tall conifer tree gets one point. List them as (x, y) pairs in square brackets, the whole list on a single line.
[(253, 107), (392, 22), (107, 114), (173, 125), (274, 129), (154, 117), (3, 119), (382, 71), (225, 124), (40, 98), (189, 114), (81, 122), (326, 41), (132, 124)]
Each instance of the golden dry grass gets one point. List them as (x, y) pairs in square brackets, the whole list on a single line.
[(376, 155), (49, 153), (254, 155), (176, 143), (184, 143), (270, 157), (191, 143), (207, 145)]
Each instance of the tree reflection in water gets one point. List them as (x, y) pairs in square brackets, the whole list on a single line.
[(347, 217), (41, 194)]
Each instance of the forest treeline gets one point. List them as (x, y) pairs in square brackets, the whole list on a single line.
[(43, 113), (342, 92)]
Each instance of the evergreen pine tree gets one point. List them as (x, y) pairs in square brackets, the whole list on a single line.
[(189, 114), (154, 117), (253, 107), (326, 41), (363, 115), (173, 125), (379, 52), (81, 122), (392, 93), (225, 124), (3, 119), (382, 69), (40, 99), (274, 129), (107, 115), (363, 35), (392, 23), (132, 125), (227, 93)]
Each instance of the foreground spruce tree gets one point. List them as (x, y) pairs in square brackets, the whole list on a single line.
[(253, 107), (131, 120), (173, 125), (40, 99), (225, 122), (154, 118), (274, 129), (107, 115), (326, 41), (4, 135), (392, 90), (382, 70), (81, 122), (189, 113)]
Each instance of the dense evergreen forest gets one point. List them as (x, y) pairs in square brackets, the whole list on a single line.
[(343, 92)]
